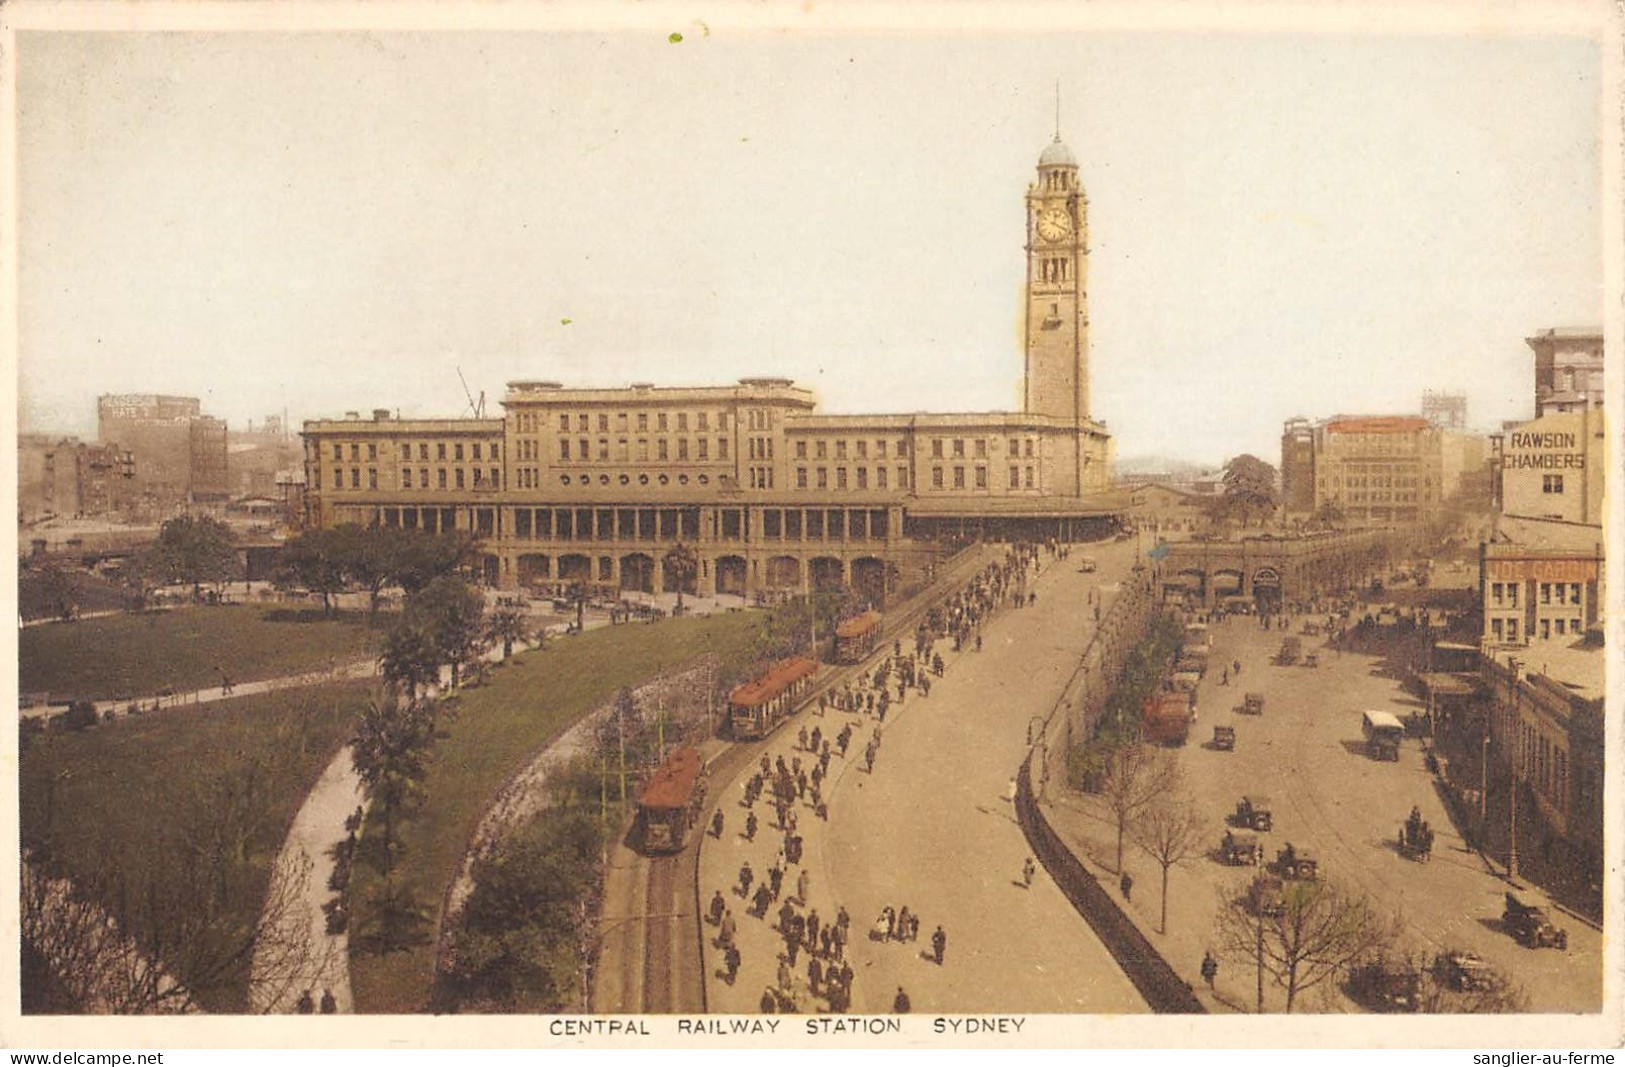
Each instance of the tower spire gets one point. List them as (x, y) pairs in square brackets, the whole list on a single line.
[(1057, 109)]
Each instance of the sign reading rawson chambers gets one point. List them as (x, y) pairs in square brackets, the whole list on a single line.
[(1541, 570), (1554, 450)]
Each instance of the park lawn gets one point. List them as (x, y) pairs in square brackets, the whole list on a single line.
[(123, 800), (496, 729), (138, 656)]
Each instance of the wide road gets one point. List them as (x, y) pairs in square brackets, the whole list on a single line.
[(933, 828), (1306, 752)]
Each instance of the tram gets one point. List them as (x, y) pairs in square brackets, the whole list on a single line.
[(757, 707), (671, 802), (855, 638)]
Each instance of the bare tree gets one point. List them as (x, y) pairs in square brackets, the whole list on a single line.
[(1301, 932), (1171, 832), (1136, 775)]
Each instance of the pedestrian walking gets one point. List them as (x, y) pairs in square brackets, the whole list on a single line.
[(716, 825), (746, 877), (717, 907), (330, 1004), (803, 882), (1210, 968), (1028, 869), (900, 1004), (815, 973), (750, 826), (1126, 884), (939, 945), (730, 959), (727, 929), (307, 1004)]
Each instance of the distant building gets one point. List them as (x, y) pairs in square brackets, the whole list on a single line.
[(179, 453), (1298, 467), (1568, 369), (71, 479), (1378, 469), (1447, 411)]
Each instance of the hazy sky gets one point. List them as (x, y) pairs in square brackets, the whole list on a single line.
[(1281, 225)]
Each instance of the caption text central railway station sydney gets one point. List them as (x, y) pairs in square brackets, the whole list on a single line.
[(596, 485)]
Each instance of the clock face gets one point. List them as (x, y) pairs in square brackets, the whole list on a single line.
[(1054, 225)]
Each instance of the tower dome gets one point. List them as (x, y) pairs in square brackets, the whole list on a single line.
[(1056, 154)]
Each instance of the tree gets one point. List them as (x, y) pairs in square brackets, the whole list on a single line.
[(518, 933), (452, 615), (60, 591), (410, 658), (390, 753), (682, 564), (420, 557), (1249, 488), (369, 557), (578, 594), (1330, 515), (509, 626), (1135, 776), (195, 549), (1301, 932), (1172, 833), (314, 560)]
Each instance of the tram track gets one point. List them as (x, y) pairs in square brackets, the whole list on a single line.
[(672, 978)]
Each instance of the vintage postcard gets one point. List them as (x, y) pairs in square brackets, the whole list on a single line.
[(745, 525)]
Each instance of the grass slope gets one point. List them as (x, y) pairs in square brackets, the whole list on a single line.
[(495, 730), (138, 655), (125, 799)]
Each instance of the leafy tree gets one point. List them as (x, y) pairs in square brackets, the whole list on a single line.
[(578, 594), (452, 614), (1249, 488), (789, 628), (509, 626), (420, 557), (60, 589), (314, 560), (1312, 930), (410, 657), (1171, 831), (195, 549), (682, 563), (516, 946), (390, 753), (369, 557)]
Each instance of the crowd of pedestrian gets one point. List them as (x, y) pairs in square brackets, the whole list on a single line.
[(812, 952)]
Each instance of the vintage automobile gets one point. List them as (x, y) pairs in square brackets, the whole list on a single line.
[(1253, 704), (1416, 837), (1224, 738), (1296, 864), (1265, 897), (1253, 812), (1531, 926), (1462, 971), (1239, 850), (1385, 986), (1291, 649)]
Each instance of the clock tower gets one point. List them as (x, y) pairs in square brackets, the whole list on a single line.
[(1057, 322)]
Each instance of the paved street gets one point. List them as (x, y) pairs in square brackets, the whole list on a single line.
[(1306, 753), (933, 828)]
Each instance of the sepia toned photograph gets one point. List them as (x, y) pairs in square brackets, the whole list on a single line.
[(780, 524)]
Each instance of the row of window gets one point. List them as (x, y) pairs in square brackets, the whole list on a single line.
[(626, 479), (1505, 631), (443, 451), (820, 478), (1551, 483), (1546, 765), (625, 448), (623, 422), (1505, 594)]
